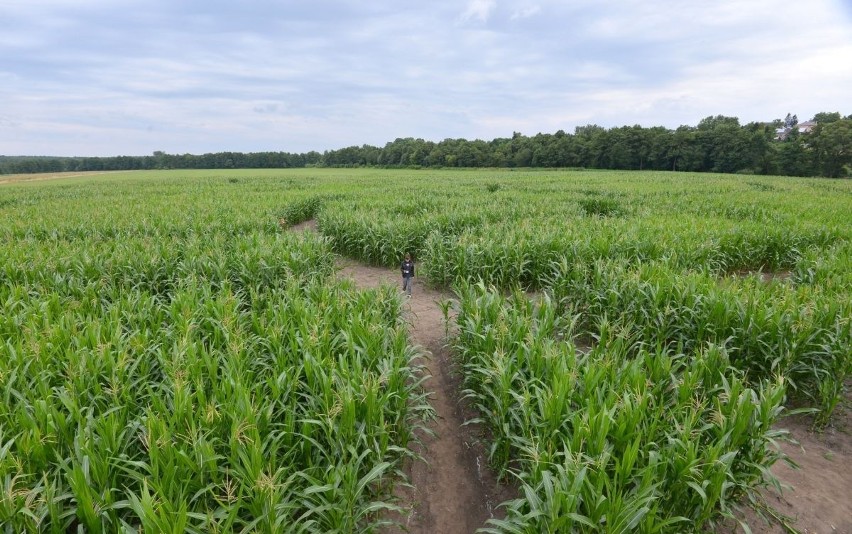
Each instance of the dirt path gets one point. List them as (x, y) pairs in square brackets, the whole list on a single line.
[(23, 178), (453, 491), (819, 497)]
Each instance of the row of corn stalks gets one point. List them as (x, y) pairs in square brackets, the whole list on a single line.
[(800, 332), (522, 252), (155, 265), (797, 326), (540, 219), (622, 438), (209, 385)]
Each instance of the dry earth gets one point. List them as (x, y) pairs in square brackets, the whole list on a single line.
[(454, 492), (22, 178), (817, 496)]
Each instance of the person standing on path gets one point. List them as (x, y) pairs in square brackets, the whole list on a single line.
[(407, 274)]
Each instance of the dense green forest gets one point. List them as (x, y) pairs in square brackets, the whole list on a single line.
[(820, 147)]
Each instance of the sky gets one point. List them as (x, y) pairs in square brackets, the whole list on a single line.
[(127, 77)]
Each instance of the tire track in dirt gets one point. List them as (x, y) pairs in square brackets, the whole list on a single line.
[(453, 491)]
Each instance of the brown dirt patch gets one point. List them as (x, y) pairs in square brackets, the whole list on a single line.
[(21, 178), (306, 226), (816, 496), (765, 276), (452, 490)]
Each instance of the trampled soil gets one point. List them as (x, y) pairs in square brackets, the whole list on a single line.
[(21, 178), (817, 497), (453, 491)]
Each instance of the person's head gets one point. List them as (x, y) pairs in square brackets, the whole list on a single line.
[(407, 257)]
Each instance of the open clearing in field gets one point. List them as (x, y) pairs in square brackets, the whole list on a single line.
[(815, 496), (819, 499), (27, 178)]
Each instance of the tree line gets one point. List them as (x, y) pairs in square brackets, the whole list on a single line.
[(716, 144), (159, 160)]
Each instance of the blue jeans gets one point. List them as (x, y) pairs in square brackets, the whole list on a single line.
[(406, 284)]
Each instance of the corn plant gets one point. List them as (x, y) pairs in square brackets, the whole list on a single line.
[(801, 333), (170, 359), (198, 380), (620, 438)]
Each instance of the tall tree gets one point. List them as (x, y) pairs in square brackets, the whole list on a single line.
[(833, 145), (790, 121), (825, 117)]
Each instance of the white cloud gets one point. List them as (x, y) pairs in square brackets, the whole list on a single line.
[(479, 10), (525, 11), (99, 78)]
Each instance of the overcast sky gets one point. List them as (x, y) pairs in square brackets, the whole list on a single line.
[(126, 77)]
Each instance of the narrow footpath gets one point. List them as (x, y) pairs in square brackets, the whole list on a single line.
[(452, 491)]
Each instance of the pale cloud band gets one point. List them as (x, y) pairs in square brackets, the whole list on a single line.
[(104, 77)]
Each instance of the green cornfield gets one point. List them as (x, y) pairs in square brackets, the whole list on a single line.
[(172, 362), (172, 359), (622, 437)]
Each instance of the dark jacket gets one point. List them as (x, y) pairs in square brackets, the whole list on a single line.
[(407, 269)]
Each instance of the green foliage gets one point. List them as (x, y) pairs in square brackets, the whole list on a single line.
[(716, 144), (604, 207), (299, 211), (621, 438), (166, 374), (768, 328), (833, 145), (172, 360)]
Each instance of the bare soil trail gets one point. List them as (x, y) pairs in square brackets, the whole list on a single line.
[(817, 497), (24, 178), (452, 491)]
